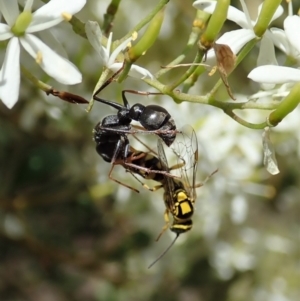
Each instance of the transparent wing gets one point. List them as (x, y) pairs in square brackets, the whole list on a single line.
[(185, 148), (168, 181)]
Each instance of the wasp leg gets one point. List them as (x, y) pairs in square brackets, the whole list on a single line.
[(144, 184), (177, 166), (153, 188), (119, 131), (166, 226), (106, 84), (119, 182), (144, 93), (148, 170), (141, 142), (206, 179)]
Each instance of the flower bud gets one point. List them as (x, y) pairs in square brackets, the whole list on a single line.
[(267, 12), (147, 39), (286, 106), (215, 23)]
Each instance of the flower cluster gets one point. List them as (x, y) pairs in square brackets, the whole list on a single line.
[(94, 36), (19, 31), (237, 39), (287, 40), (268, 73)]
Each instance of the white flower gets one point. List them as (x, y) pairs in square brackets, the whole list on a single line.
[(274, 74), (236, 39), (288, 42), (285, 39), (19, 29), (94, 36)]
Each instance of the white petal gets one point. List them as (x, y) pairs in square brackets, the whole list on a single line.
[(281, 92), (201, 4), (108, 45), (54, 8), (236, 39), (53, 64), (267, 87), (290, 8), (262, 94), (207, 6), (94, 35), (247, 16), (115, 67), (274, 74), (266, 54), (279, 39), (115, 53), (50, 14), (10, 74), (238, 17), (233, 14), (39, 25), (135, 71), (28, 5), (5, 32), (10, 11), (52, 41), (292, 29)]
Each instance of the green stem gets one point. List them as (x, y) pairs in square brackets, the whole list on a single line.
[(39, 84), (148, 38), (189, 82), (126, 69), (188, 73), (77, 26), (258, 126), (209, 100), (227, 107), (146, 20), (193, 38), (110, 15), (215, 23), (66, 96), (101, 81), (286, 106), (265, 16)]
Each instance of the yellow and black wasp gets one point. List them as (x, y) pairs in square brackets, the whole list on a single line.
[(180, 193)]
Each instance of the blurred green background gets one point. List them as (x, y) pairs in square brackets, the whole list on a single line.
[(68, 233)]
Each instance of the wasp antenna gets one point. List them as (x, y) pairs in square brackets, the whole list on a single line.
[(164, 252)]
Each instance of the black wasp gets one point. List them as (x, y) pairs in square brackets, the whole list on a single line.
[(110, 134)]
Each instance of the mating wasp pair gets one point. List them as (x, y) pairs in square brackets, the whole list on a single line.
[(112, 144)]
